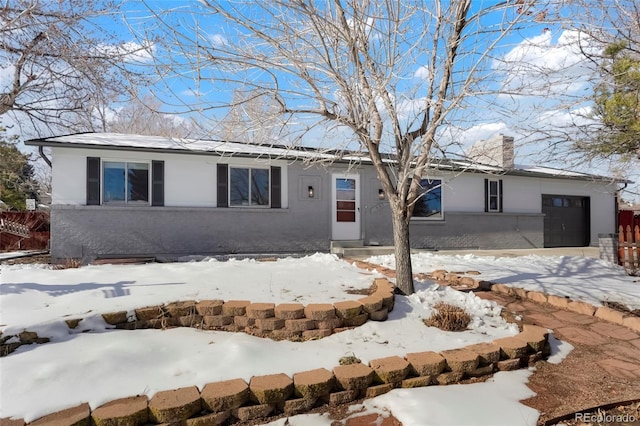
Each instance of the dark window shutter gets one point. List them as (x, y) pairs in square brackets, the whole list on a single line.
[(157, 183), (93, 181), (276, 187), (486, 195), (500, 195), (223, 185)]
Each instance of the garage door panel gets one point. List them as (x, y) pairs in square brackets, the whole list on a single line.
[(566, 222)]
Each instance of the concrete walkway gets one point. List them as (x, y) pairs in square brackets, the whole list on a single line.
[(558, 251)]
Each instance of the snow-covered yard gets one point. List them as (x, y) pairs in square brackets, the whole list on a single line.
[(107, 364), (580, 278)]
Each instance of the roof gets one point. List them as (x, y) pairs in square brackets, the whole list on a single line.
[(141, 143)]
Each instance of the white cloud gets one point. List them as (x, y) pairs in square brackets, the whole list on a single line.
[(540, 66), (422, 72), (218, 40), (483, 131), (130, 51)]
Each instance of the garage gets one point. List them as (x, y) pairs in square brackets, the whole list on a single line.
[(566, 220)]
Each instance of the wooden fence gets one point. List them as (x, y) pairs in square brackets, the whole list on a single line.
[(629, 247), (24, 231)]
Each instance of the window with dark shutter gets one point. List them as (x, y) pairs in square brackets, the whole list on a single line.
[(93, 181), (157, 183), (493, 195), (276, 187), (223, 185)]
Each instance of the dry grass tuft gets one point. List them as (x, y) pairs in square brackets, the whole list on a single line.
[(69, 264), (449, 318)]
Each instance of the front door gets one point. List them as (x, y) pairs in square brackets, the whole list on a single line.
[(345, 210)]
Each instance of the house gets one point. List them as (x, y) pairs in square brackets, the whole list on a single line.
[(130, 195)]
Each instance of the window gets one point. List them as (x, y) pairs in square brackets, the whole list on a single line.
[(248, 187), (429, 204), (345, 200), (124, 182), (493, 195)]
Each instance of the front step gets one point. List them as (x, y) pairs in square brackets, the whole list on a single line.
[(335, 244), (350, 248), (366, 251), (339, 246)]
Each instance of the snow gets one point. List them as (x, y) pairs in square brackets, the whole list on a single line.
[(72, 293), (491, 403), (14, 254), (580, 278), (559, 350), (107, 364), (134, 142), (120, 140)]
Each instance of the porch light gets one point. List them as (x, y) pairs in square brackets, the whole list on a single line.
[(310, 191), (381, 194)]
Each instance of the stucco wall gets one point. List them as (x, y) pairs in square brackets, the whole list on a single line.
[(80, 231), (190, 179), (189, 223)]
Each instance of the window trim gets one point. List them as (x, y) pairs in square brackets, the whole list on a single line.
[(250, 168), (125, 202), (440, 217)]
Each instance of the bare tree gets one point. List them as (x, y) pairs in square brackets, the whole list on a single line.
[(252, 117), (391, 72), (144, 117), (62, 60)]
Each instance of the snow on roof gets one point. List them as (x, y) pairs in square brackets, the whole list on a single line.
[(119, 140), (162, 143), (552, 171)]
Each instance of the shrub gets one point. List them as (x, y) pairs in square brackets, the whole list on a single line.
[(449, 318)]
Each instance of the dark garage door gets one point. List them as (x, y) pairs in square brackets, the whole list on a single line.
[(566, 221)]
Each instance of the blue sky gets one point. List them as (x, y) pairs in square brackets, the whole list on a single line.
[(537, 53)]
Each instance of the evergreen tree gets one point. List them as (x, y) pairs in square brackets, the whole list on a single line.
[(17, 181), (617, 104)]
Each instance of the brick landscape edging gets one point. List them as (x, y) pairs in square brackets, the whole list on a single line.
[(276, 394), (285, 321)]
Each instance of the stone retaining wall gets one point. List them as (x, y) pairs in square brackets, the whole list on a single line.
[(263, 396), (290, 321)]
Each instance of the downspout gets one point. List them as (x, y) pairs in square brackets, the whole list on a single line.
[(618, 204), (46, 159)]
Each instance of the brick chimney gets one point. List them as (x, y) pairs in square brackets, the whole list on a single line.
[(497, 151)]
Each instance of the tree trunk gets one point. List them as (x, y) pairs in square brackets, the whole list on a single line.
[(404, 273)]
